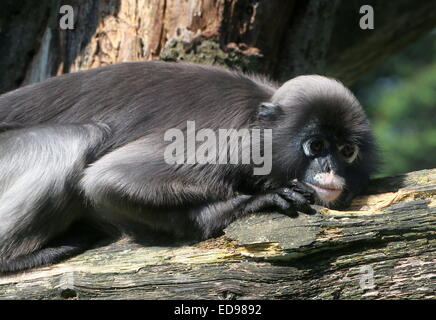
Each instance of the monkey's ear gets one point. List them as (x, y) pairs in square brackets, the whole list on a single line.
[(269, 111)]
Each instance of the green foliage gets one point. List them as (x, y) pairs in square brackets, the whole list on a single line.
[(400, 98)]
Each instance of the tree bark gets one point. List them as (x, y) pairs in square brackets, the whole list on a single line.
[(278, 38), (383, 247)]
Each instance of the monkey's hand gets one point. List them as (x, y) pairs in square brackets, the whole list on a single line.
[(288, 200), (307, 192)]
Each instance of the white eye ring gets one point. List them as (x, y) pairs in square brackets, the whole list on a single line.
[(353, 156), (307, 146)]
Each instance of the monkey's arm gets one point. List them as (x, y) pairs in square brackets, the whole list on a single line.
[(212, 218), (133, 183), (190, 217)]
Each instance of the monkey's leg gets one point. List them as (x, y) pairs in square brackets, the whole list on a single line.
[(39, 169), (74, 241)]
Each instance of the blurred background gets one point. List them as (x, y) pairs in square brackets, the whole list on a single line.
[(400, 97), (390, 67)]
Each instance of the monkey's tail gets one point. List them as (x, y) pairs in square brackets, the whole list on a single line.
[(76, 240)]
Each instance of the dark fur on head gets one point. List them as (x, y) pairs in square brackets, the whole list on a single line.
[(313, 104)]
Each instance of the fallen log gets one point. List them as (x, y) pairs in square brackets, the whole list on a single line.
[(382, 247)]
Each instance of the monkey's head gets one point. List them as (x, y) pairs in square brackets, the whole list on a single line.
[(322, 137)]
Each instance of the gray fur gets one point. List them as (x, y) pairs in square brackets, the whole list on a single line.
[(39, 170), (61, 164)]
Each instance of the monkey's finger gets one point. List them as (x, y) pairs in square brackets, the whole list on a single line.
[(307, 209), (281, 203), (297, 206), (304, 190), (301, 187), (268, 201), (296, 198)]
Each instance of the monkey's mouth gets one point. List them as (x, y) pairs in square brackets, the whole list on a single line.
[(326, 193)]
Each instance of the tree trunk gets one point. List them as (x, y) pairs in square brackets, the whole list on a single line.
[(383, 247), (274, 37)]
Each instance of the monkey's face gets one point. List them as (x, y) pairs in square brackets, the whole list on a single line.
[(333, 159), (321, 136), (335, 163), (330, 165)]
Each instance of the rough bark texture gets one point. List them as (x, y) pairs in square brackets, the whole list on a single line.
[(274, 37), (391, 232)]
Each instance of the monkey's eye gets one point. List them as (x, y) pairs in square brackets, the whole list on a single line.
[(314, 146), (348, 152)]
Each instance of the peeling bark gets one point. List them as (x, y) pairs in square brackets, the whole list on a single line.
[(391, 233)]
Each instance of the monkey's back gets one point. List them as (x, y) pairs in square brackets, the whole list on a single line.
[(138, 98)]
